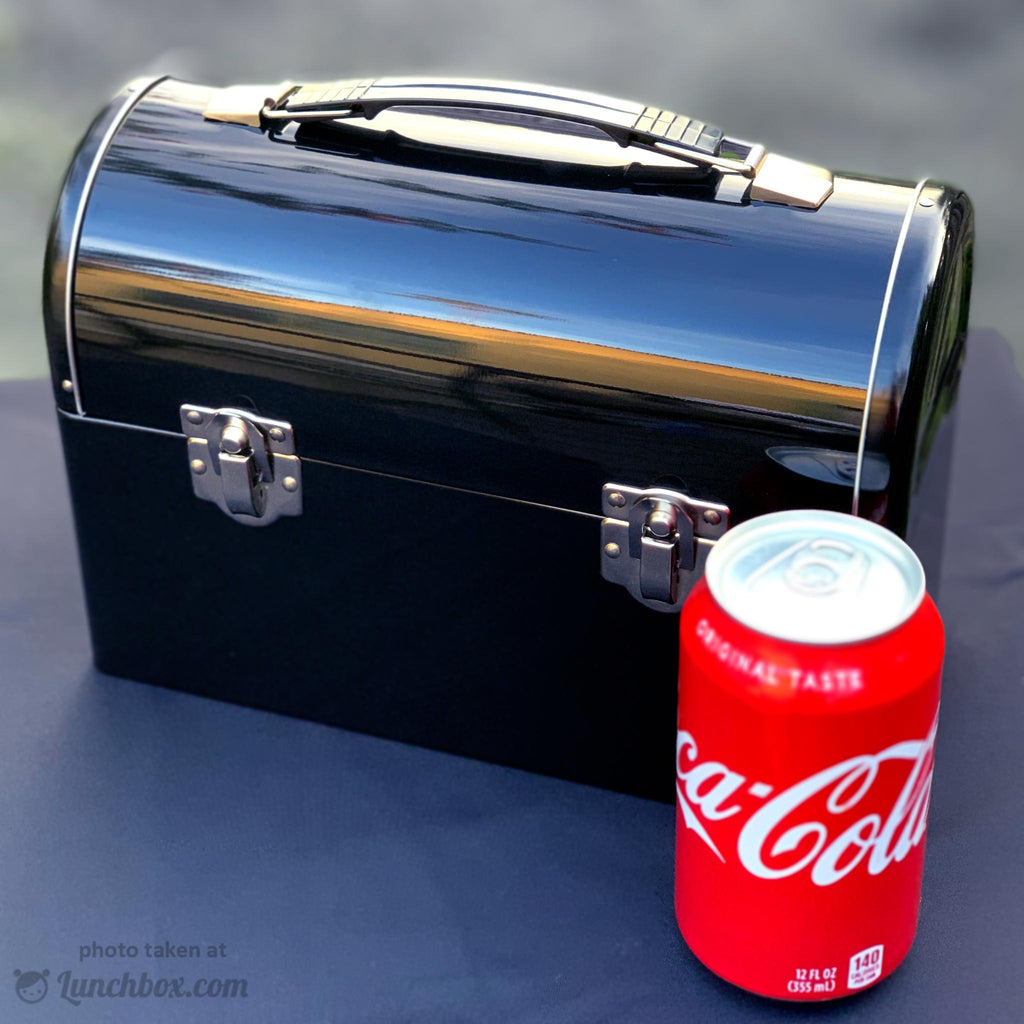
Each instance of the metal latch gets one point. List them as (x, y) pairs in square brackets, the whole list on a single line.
[(244, 464), (654, 541)]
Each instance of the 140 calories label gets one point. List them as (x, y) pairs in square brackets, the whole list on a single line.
[(865, 967)]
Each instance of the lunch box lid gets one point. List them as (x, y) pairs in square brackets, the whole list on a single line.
[(537, 328)]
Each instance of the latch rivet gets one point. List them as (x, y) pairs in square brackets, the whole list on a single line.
[(198, 466), (195, 417), (612, 550), (712, 517), (67, 385), (660, 523), (277, 434), (616, 499), (290, 483), (234, 439)]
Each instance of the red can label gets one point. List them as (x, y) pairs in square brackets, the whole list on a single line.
[(803, 781), (829, 817)]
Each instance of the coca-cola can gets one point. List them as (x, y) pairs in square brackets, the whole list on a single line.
[(810, 664)]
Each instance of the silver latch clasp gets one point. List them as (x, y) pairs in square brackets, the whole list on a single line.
[(244, 464), (654, 541)]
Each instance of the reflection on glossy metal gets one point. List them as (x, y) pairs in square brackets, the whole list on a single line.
[(62, 251), (833, 467)]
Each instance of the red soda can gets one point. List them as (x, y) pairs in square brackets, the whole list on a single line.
[(810, 664)]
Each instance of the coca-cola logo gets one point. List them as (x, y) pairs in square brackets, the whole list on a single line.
[(826, 824)]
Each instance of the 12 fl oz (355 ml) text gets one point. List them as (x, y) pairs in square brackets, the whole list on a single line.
[(813, 980)]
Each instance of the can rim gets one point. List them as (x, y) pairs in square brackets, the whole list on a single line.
[(878, 536)]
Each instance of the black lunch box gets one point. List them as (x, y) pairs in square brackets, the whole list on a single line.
[(492, 366)]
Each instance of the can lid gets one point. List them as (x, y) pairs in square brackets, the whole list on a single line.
[(815, 577)]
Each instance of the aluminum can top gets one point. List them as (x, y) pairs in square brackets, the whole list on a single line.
[(815, 577)]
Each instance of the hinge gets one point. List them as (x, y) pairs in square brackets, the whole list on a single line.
[(244, 464), (654, 541)]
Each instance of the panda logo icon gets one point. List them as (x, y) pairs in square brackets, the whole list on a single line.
[(31, 985)]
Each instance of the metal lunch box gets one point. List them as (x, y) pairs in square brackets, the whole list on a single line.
[(496, 364)]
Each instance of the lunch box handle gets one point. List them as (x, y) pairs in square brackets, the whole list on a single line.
[(694, 143), (625, 122)]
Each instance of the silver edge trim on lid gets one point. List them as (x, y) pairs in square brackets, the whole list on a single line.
[(897, 255), (137, 92)]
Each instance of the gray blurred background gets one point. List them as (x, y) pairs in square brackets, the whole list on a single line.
[(901, 88)]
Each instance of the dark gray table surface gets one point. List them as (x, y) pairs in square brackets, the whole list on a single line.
[(354, 879)]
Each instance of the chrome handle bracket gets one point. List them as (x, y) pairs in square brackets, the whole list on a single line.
[(654, 541), (245, 464)]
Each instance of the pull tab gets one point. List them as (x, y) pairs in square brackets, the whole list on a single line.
[(244, 464), (654, 542)]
